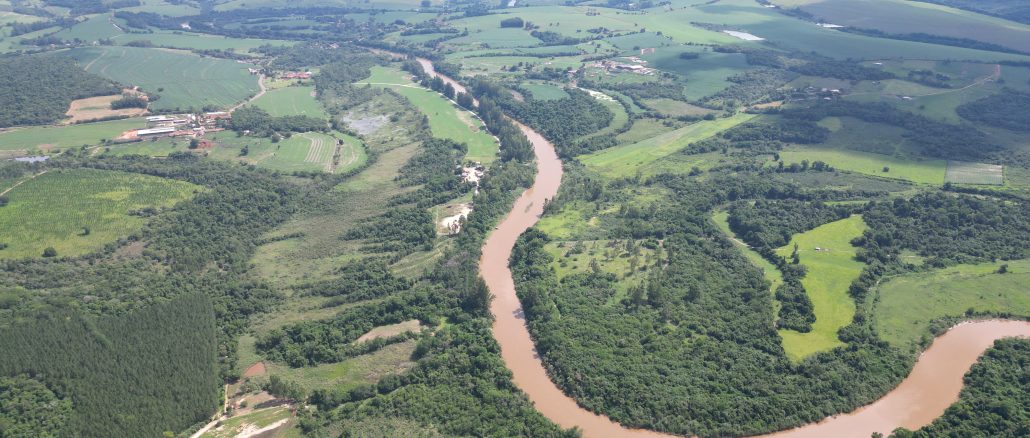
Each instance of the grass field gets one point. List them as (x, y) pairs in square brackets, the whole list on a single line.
[(908, 303), (35, 138), (627, 160), (446, 119), (703, 76), (292, 101), (831, 269), (52, 209), (901, 17), (182, 80), (544, 91), (924, 171)]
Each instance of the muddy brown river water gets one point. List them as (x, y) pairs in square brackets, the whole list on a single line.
[(931, 387)]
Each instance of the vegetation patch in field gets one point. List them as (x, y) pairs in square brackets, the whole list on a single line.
[(627, 160), (95, 108), (446, 120), (772, 274), (78, 211), (908, 304), (961, 172), (827, 254), (544, 91)]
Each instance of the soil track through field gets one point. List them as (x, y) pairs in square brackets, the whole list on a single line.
[(21, 182), (261, 92), (932, 386)]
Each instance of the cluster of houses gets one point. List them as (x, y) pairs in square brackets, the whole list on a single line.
[(179, 125)]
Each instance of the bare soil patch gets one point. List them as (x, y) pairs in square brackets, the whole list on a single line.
[(258, 369), (387, 331), (98, 107)]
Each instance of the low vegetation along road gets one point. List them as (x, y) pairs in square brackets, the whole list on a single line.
[(931, 387)]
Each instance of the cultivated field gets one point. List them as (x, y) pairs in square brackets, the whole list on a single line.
[(181, 80), (49, 138), (961, 172), (830, 259), (94, 108), (292, 101), (627, 160), (301, 152), (52, 210), (907, 304)]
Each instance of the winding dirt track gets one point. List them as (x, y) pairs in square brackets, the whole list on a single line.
[(931, 387)]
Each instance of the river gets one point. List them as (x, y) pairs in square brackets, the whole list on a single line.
[(932, 386)]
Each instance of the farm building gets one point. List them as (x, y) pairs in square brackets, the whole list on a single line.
[(156, 132)]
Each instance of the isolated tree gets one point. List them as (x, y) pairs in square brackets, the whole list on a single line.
[(49, 252)]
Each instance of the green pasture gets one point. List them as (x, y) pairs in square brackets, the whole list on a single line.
[(446, 120), (182, 80), (795, 34), (496, 39), (576, 257), (544, 91), (930, 171), (908, 303), (705, 75), (676, 108), (52, 209), (904, 17), (156, 147), (35, 138), (627, 160), (831, 269), (292, 101), (571, 222), (164, 8)]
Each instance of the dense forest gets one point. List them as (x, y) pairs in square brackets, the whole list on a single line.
[(167, 350), (39, 89), (1009, 109)]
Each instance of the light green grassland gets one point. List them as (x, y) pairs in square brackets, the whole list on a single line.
[(446, 120), (182, 80), (52, 209), (918, 171), (35, 138), (292, 101), (905, 17), (155, 147), (258, 419), (831, 269), (612, 258), (627, 160), (570, 222), (544, 91), (908, 303)]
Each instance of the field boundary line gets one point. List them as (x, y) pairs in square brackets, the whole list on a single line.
[(22, 182)]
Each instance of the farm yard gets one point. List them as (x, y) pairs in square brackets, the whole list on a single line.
[(181, 80), (82, 210)]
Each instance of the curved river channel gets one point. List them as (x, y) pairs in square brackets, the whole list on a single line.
[(931, 387)]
